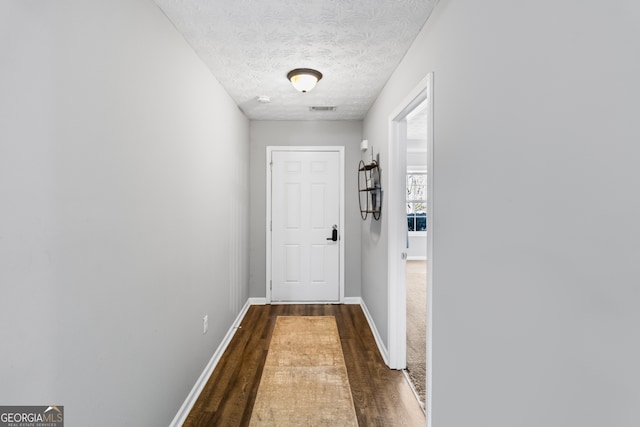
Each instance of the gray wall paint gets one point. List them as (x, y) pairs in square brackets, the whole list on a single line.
[(319, 133), (123, 211), (536, 219)]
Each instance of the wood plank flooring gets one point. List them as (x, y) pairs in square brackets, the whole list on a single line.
[(381, 396)]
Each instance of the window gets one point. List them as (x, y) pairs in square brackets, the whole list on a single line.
[(417, 201)]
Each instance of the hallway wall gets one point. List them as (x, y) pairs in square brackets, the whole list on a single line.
[(536, 219), (318, 133), (123, 211)]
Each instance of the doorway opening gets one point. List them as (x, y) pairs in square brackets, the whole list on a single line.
[(411, 237), (416, 248)]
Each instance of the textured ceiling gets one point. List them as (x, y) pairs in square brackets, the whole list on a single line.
[(251, 45)]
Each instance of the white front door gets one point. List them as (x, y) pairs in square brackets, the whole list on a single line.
[(305, 209)]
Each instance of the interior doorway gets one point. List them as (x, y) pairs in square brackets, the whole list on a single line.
[(416, 248), (410, 210)]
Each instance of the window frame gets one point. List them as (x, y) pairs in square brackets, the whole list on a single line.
[(409, 201)]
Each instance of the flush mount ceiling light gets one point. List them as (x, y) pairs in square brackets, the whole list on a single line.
[(304, 79)]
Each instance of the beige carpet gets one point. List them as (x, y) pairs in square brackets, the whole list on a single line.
[(416, 280), (304, 381)]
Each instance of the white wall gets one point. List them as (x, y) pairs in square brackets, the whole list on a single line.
[(536, 215), (123, 211), (304, 133), (417, 249)]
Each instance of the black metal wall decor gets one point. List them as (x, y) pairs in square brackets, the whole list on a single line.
[(369, 189)]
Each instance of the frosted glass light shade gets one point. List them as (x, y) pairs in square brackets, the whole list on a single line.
[(304, 79)]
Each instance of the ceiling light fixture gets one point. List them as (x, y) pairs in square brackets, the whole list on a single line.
[(304, 79)]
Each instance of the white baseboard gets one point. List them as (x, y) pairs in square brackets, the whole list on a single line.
[(257, 301), (303, 302), (417, 258), (186, 407), (376, 335), (353, 300)]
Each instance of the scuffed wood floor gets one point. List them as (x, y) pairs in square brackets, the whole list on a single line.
[(381, 396)]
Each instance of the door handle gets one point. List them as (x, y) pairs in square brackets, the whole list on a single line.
[(334, 234)]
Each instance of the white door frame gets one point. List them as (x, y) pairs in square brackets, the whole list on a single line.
[(397, 230), (341, 226)]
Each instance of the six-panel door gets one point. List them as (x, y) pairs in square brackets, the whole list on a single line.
[(305, 208)]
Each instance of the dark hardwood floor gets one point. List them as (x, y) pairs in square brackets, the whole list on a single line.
[(381, 396)]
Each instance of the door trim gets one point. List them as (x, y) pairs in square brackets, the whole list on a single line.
[(397, 232), (341, 226)]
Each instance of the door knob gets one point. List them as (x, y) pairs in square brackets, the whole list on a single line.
[(334, 234)]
